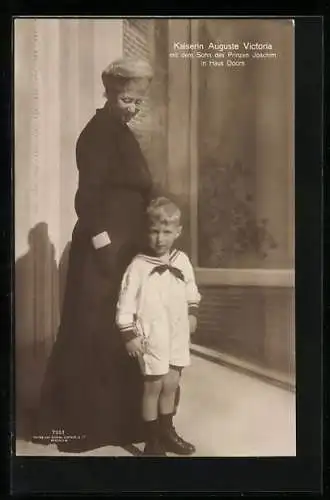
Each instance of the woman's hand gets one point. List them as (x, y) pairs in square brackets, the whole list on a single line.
[(134, 347), (192, 323)]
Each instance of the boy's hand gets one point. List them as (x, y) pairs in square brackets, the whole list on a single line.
[(192, 323), (134, 347)]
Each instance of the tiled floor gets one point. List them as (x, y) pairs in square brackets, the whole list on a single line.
[(224, 413)]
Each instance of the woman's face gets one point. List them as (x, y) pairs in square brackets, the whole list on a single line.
[(127, 101)]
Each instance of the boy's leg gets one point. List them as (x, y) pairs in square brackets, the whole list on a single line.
[(177, 399), (169, 390), (167, 406), (151, 394)]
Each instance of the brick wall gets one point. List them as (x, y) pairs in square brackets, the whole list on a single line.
[(254, 324), (137, 42), (148, 39)]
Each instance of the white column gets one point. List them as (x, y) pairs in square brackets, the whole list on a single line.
[(25, 120), (69, 125), (49, 132)]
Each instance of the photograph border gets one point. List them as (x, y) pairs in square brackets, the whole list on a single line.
[(302, 473)]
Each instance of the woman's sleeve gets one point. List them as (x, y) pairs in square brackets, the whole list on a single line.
[(192, 292), (93, 157), (127, 302)]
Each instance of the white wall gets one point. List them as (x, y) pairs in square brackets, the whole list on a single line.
[(58, 64)]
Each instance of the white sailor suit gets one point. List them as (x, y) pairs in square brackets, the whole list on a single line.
[(154, 301)]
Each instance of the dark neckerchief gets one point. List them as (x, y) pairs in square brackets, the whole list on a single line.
[(162, 268)]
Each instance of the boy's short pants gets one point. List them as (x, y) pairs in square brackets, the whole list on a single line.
[(159, 357)]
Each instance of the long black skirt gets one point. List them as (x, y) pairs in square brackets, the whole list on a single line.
[(91, 396)]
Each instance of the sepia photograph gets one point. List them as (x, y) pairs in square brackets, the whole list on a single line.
[(154, 184)]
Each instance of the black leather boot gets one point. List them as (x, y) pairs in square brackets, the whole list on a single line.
[(153, 446), (171, 441)]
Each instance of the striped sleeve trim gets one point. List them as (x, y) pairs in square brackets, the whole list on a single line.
[(128, 335), (193, 309), (128, 331), (128, 326)]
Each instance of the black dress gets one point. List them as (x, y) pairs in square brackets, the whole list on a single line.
[(92, 390)]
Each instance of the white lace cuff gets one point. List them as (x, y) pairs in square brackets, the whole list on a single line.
[(101, 240)]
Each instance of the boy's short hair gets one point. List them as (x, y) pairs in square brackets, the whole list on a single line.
[(163, 210)]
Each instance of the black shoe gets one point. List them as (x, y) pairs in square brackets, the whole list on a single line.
[(154, 448), (172, 442)]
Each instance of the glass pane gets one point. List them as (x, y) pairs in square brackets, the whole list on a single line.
[(245, 146)]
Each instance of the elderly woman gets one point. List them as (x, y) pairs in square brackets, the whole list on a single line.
[(92, 390)]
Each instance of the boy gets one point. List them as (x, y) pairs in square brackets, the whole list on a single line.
[(156, 312)]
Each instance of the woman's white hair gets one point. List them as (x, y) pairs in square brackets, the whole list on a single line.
[(124, 69)]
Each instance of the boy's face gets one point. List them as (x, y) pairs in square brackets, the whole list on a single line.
[(162, 236)]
